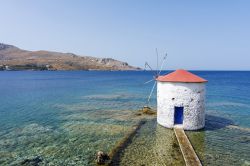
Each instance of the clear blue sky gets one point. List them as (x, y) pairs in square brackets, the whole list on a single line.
[(210, 35)]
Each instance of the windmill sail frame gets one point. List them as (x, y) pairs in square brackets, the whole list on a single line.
[(158, 72)]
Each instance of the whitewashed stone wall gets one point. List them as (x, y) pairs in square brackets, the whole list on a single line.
[(191, 96)]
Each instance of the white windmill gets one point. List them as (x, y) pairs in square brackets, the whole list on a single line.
[(155, 76)]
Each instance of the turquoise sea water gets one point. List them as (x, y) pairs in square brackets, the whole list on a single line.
[(65, 117)]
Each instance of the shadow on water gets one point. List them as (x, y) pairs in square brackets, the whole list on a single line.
[(221, 142), (215, 122), (198, 138)]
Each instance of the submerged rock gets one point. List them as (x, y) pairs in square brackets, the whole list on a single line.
[(32, 162), (102, 158), (35, 128), (148, 110)]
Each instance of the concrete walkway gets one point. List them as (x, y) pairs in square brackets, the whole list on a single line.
[(189, 155)]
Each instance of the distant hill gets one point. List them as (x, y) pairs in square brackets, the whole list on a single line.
[(13, 58)]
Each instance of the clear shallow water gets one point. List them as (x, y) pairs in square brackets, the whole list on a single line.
[(153, 145), (66, 117)]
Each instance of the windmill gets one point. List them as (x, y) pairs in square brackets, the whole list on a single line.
[(155, 76)]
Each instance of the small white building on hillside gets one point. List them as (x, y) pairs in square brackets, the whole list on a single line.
[(181, 100)]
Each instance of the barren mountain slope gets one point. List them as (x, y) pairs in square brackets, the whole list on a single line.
[(18, 59)]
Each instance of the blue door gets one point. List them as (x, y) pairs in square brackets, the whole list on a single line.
[(178, 115)]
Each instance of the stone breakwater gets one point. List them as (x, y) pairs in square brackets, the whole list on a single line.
[(115, 154)]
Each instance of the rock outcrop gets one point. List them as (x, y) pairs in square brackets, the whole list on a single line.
[(102, 158)]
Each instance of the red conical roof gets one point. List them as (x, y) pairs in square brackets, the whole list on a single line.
[(181, 76)]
